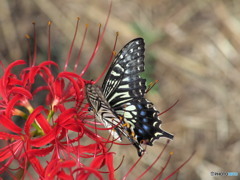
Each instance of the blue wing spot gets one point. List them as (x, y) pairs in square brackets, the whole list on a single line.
[(146, 127), (139, 106), (141, 131), (145, 120), (143, 113)]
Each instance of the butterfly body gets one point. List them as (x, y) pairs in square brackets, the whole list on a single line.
[(121, 104)]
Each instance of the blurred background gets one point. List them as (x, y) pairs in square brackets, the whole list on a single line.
[(192, 48)]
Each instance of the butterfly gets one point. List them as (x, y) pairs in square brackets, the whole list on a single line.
[(120, 103)]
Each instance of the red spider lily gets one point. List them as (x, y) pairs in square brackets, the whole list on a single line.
[(46, 128), (54, 131)]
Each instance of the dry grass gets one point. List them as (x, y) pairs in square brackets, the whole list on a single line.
[(192, 48)]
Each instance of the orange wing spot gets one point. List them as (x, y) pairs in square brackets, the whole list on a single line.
[(126, 125), (133, 134), (144, 141), (120, 117)]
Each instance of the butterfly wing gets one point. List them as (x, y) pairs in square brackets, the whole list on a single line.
[(105, 114), (124, 90), (122, 82)]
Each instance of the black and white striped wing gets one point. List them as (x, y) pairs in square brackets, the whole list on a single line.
[(122, 82), (105, 114), (124, 90)]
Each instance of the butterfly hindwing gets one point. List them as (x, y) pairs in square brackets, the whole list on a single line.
[(144, 120)]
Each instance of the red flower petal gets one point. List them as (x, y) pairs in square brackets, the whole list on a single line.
[(6, 122), (21, 91), (43, 123), (32, 74), (78, 90), (88, 149), (38, 142), (67, 164), (13, 64), (7, 136), (65, 116), (58, 87), (11, 104), (15, 82), (10, 149), (109, 162), (86, 171), (55, 167), (31, 119), (46, 63), (63, 175), (98, 162), (39, 89), (36, 165), (39, 152), (68, 74)]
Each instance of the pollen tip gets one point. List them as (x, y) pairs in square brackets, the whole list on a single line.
[(49, 23), (100, 25), (117, 33), (87, 25), (27, 36), (171, 153), (78, 18), (33, 22), (114, 53)]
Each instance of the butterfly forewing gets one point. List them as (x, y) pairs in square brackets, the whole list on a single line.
[(122, 82)]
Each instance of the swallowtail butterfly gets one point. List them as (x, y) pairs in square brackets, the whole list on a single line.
[(120, 103)]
